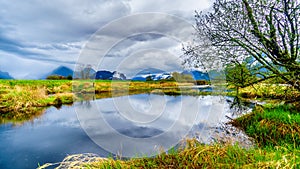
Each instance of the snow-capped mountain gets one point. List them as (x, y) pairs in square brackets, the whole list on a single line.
[(152, 76), (156, 74), (118, 76)]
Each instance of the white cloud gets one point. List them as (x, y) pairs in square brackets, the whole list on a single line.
[(52, 32), (57, 20), (21, 68), (168, 6)]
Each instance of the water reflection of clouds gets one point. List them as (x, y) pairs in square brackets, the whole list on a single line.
[(140, 104), (63, 117), (170, 111), (177, 115), (58, 132), (139, 109)]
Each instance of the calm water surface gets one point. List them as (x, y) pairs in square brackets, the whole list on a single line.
[(58, 132)]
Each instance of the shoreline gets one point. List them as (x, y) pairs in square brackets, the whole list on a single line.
[(24, 96)]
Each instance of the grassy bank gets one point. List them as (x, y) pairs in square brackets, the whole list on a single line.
[(25, 99), (209, 156)]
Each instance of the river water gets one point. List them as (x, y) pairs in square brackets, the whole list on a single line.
[(134, 124)]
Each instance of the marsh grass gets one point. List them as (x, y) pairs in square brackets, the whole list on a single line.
[(21, 100), (24, 102), (24, 99), (197, 155)]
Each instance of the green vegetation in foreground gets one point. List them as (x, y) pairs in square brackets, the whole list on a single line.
[(210, 156)]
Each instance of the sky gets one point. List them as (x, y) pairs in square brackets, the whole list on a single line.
[(124, 35)]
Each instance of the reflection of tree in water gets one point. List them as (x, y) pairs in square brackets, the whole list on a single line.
[(225, 132), (23, 118), (85, 99), (86, 103), (239, 106), (85, 96)]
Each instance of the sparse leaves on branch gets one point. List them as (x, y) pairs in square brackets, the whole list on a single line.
[(268, 31)]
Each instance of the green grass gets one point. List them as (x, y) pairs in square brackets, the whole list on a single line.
[(196, 155), (272, 126), (25, 99)]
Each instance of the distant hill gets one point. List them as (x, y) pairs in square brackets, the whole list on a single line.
[(104, 75), (5, 75), (200, 75), (61, 71)]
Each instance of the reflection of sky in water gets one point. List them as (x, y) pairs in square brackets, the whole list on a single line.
[(121, 124), (139, 115), (58, 133), (49, 138)]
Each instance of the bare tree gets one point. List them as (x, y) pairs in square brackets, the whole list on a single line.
[(268, 31), (83, 71)]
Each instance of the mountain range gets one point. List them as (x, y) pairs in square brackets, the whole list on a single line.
[(151, 74), (157, 74), (143, 75)]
